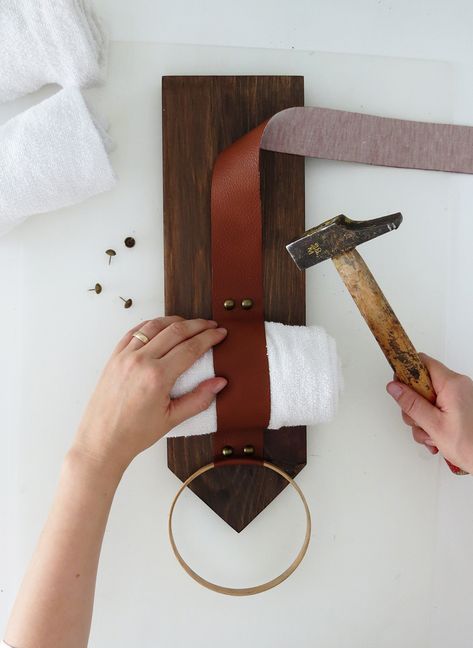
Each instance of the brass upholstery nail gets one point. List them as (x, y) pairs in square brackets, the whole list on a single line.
[(111, 253), (227, 451), (128, 302), (249, 450), (229, 304), (96, 289), (130, 242), (247, 304)]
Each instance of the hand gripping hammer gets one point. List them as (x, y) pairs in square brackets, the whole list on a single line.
[(337, 239)]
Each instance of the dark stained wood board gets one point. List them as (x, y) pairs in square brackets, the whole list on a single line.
[(202, 116)]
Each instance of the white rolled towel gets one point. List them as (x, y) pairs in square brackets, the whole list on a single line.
[(304, 373), (49, 41), (53, 155)]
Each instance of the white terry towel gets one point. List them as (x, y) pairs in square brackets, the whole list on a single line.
[(49, 41), (304, 373), (53, 155)]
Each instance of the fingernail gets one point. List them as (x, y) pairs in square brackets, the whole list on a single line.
[(429, 442), (430, 449), (213, 322), (219, 386), (223, 331), (394, 389)]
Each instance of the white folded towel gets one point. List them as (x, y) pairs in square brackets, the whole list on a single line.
[(305, 380), (49, 41), (53, 155)]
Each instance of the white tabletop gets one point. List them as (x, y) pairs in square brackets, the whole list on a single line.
[(379, 534)]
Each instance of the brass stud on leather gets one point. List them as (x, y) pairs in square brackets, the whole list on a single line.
[(229, 304), (249, 450), (227, 451), (247, 304)]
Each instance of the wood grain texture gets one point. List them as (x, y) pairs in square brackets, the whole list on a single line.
[(385, 326), (201, 117)]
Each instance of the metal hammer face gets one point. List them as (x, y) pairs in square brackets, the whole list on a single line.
[(336, 236)]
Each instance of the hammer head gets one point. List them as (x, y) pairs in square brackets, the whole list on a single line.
[(336, 236)]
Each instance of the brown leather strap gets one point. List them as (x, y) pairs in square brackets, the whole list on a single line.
[(243, 409)]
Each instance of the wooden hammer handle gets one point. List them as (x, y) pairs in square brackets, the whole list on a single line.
[(385, 326)]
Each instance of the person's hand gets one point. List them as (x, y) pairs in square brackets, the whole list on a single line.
[(131, 407), (448, 425)]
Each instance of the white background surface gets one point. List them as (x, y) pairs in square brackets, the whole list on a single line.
[(390, 561)]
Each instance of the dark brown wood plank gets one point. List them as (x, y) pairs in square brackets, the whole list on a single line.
[(201, 117)]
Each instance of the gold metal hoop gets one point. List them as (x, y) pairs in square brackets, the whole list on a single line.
[(243, 591)]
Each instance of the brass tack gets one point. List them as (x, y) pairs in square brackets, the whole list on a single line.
[(247, 304), (229, 304), (130, 242), (227, 451), (128, 302), (249, 450), (96, 289), (111, 253)]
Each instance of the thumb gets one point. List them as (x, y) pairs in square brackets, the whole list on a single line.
[(426, 415), (195, 401)]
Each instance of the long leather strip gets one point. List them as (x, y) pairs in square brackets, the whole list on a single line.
[(243, 408), (355, 137)]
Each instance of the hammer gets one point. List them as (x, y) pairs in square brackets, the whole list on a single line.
[(337, 239)]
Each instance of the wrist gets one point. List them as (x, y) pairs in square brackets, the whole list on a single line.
[(89, 468)]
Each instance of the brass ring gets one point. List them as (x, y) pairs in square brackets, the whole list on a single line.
[(243, 591), (139, 335)]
